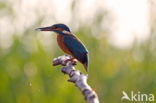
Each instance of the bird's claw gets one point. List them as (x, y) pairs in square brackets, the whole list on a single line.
[(72, 60)]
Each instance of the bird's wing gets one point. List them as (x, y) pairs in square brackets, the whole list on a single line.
[(78, 50)]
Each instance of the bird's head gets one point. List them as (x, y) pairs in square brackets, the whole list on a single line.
[(58, 28)]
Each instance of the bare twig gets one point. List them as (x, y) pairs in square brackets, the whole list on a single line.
[(79, 79)]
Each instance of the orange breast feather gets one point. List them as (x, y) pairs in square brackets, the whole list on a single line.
[(62, 45)]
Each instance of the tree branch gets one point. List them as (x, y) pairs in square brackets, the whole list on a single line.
[(76, 77)]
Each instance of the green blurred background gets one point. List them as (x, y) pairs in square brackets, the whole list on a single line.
[(26, 71)]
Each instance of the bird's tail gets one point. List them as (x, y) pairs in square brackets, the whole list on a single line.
[(85, 63), (86, 66)]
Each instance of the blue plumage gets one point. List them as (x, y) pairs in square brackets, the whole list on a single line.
[(74, 45), (77, 49)]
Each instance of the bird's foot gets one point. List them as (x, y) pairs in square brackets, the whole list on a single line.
[(73, 60)]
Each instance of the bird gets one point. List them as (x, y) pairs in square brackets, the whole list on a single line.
[(69, 43)]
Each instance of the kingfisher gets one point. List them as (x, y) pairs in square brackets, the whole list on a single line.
[(69, 43)]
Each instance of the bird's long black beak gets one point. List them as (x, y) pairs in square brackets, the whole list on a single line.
[(50, 28)]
